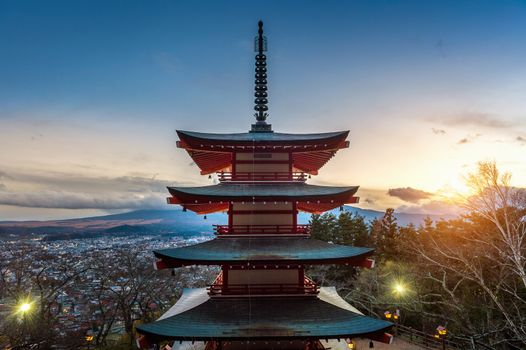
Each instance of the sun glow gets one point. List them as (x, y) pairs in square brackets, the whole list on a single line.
[(455, 191)]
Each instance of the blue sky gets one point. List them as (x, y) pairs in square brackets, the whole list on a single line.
[(92, 90)]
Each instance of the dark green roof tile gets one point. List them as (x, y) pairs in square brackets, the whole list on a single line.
[(277, 190), (263, 136), (262, 249), (238, 318)]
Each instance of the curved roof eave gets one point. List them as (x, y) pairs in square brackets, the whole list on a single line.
[(262, 250), (263, 137), (271, 191), (241, 318)]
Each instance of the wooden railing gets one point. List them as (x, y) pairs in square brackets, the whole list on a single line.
[(218, 288), (428, 341), (261, 229), (262, 176)]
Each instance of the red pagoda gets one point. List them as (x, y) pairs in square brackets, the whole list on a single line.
[(262, 298)]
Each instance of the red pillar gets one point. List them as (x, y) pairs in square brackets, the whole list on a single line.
[(224, 269), (294, 216), (230, 215)]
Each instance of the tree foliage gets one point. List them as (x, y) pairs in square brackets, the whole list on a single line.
[(117, 289), (468, 273)]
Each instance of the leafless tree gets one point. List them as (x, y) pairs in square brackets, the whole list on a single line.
[(483, 253), (29, 274)]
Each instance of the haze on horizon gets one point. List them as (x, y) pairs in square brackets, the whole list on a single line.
[(92, 91)]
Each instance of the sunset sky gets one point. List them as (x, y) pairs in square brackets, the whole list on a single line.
[(91, 93)]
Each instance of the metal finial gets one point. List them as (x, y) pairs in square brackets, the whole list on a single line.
[(260, 46)]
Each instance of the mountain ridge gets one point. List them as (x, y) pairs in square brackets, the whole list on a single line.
[(166, 221)]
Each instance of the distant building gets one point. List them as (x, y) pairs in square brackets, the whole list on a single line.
[(262, 298)]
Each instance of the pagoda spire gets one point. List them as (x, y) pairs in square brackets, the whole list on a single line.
[(260, 46)]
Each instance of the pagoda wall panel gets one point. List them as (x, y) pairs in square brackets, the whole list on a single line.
[(261, 206), (258, 162), (262, 156), (250, 277), (262, 168), (279, 214), (263, 219)]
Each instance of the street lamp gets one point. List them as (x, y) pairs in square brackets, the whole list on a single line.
[(89, 338), (399, 289), (395, 316), (24, 308), (441, 334)]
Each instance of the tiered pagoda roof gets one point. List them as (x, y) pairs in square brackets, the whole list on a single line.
[(309, 198), (263, 251), (213, 152), (202, 140), (198, 317)]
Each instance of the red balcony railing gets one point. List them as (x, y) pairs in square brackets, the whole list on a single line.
[(261, 229), (262, 176), (218, 288)]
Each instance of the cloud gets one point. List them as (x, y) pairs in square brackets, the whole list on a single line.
[(409, 194), (521, 139), (80, 183), (78, 200), (369, 201), (438, 131), (468, 139), (488, 120), (433, 207), (4, 175), (37, 189)]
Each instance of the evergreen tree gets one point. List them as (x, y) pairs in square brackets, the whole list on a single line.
[(323, 226), (360, 232), (385, 234)]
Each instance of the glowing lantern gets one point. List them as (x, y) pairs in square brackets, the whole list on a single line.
[(442, 331)]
